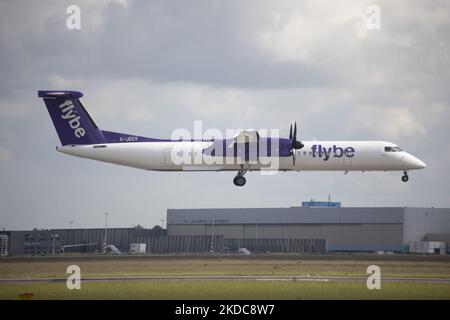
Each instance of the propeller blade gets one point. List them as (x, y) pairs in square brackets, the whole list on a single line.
[(293, 137), (293, 157), (295, 143), (295, 132)]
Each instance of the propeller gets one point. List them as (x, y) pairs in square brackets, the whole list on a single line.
[(295, 143)]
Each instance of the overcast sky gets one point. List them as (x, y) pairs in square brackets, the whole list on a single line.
[(150, 67)]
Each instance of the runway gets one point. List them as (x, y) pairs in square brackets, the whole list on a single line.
[(302, 278)]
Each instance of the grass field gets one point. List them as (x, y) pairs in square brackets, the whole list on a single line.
[(221, 289)]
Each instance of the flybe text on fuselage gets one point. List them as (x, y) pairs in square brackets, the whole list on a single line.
[(68, 113), (334, 151)]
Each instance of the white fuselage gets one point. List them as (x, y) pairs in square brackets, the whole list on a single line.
[(330, 156)]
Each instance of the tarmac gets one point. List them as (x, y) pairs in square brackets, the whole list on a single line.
[(229, 278)]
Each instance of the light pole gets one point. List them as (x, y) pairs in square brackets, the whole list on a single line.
[(54, 236), (256, 233), (211, 249), (106, 232), (71, 223)]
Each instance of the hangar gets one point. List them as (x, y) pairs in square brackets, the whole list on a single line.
[(314, 227), (343, 229)]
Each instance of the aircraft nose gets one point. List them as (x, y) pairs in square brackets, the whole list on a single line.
[(412, 162), (421, 164)]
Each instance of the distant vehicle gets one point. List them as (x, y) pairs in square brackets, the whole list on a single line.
[(243, 251), (247, 151)]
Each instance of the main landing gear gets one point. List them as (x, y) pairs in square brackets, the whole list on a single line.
[(405, 177), (239, 180)]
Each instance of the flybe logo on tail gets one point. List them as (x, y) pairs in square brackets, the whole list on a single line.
[(68, 113)]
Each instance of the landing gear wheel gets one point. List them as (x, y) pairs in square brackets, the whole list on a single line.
[(239, 181), (405, 178)]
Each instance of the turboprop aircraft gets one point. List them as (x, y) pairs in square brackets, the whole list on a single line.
[(245, 151)]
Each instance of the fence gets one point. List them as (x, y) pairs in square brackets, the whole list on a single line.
[(172, 244), (277, 245)]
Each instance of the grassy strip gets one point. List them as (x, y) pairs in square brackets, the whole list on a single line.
[(99, 267), (205, 290)]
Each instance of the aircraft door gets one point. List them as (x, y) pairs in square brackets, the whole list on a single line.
[(168, 158)]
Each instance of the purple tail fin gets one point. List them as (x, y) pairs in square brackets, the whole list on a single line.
[(72, 122)]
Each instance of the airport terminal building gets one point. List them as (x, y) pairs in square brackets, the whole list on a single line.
[(341, 228)]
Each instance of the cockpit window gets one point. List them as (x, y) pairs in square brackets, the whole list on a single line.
[(392, 149)]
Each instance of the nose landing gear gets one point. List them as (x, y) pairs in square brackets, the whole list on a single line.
[(405, 177)]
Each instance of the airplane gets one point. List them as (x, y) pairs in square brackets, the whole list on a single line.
[(246, 151)]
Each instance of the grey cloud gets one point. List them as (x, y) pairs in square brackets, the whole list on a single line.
[(176, 62)]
